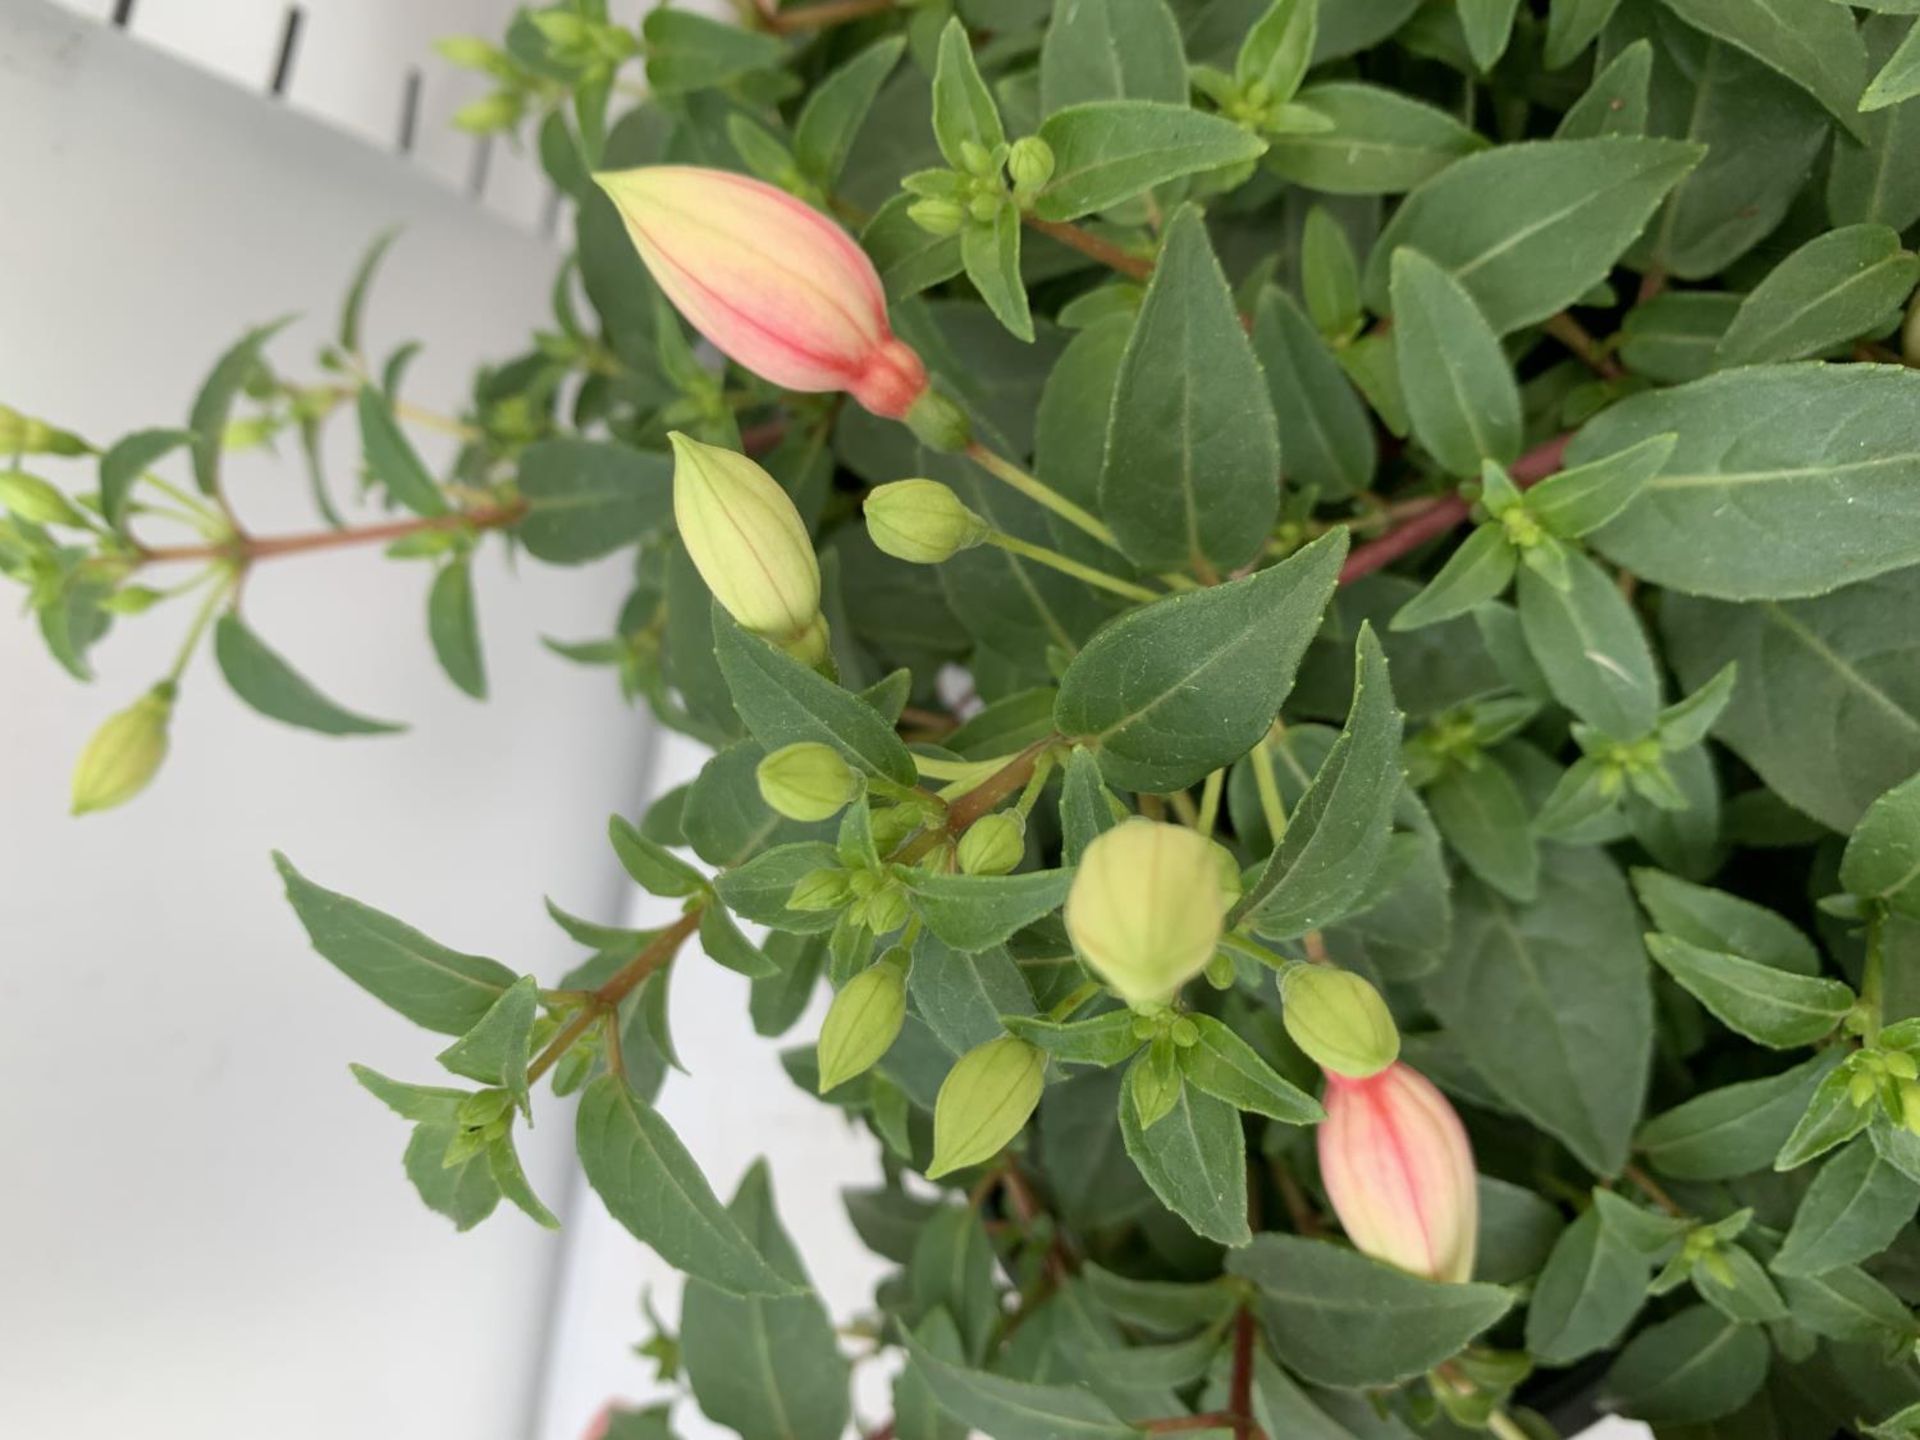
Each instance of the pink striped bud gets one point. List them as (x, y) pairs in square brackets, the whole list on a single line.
[(1399, 1170), (773, 283)]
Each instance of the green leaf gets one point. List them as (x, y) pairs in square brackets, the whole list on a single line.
[(1193, 459), (963, 109), (1172, 691), (991, 254), (1337, 834), (687, 52), (1111, 50), (653, 867), (1326, 439), (962, 995), (494, 1051), (589, 498), (266, 682), (764, 1367), (783, 701), (1335, 1317), (908, 258), (758, 890), (952, 1268), (1882, 859), (1831, 1118), (1715, 920), (436, 988), (1592, 1286), (1897, 80), (1771, 1007), (1195, 1160), (1853, 1210), (972, 912), (1847, 659), (1585, 498), (727, 947), (1836, 287), (1479, 571), (130, 458), (1461, 397), (1229, 1069), (1551, 1003), (391, 459), (355, 303), (1107, 151), (1086, 805), (1589, 645), (1616, 102), (1872, 182), (503, 1165), (213, 406), (1572, 25), (1015, 1409), (1672, 337), (1695, 1367), (1483, 818), (1488, 25), (1788, 481), (1103, 1040), (1848, 1305), (454, 628), (1381, 142), (1734, 1130), (1811, 42), (651, 1185), (1530, 228), (1518, 1230), (838, 106)]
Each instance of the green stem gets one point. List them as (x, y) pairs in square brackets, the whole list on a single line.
[(1263, 779), (1210, 802), (1053, 559), (1002, 468), (1503, 1425), (201, 620), (1241, 945), (1042, 768), (1872, 982)]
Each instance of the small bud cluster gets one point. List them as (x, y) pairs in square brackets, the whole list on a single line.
[(984, 184)]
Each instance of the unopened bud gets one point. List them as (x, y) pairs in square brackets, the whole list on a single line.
[(1339, 1020), (885, 909), (993, 844), (863, 1021), (976, 157), (32, 498), (984, 1102), (124, 754), (1910, 1105), (921, 521), (1146, 908), (750, 545), (806, 781), (985, 206), (938, 215), (1398, 1168), (1030, 164), (820, 890)]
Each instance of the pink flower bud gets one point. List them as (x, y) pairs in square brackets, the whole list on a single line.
[(1399, 1171), (773, 283)]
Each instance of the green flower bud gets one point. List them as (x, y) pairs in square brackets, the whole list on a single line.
[(124, 754), (32, 498), (1146, 907), (938, 423), (1030, 164), (892, 824), (976, 157), (921, 521), (984, 1102), (885, 910), (863, 1021), (993, 844), (985, 206), (1339, 1020), (806, 781), (750, 545), (938, 215), (1910, 1106), (498, 111), (821, 890)]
